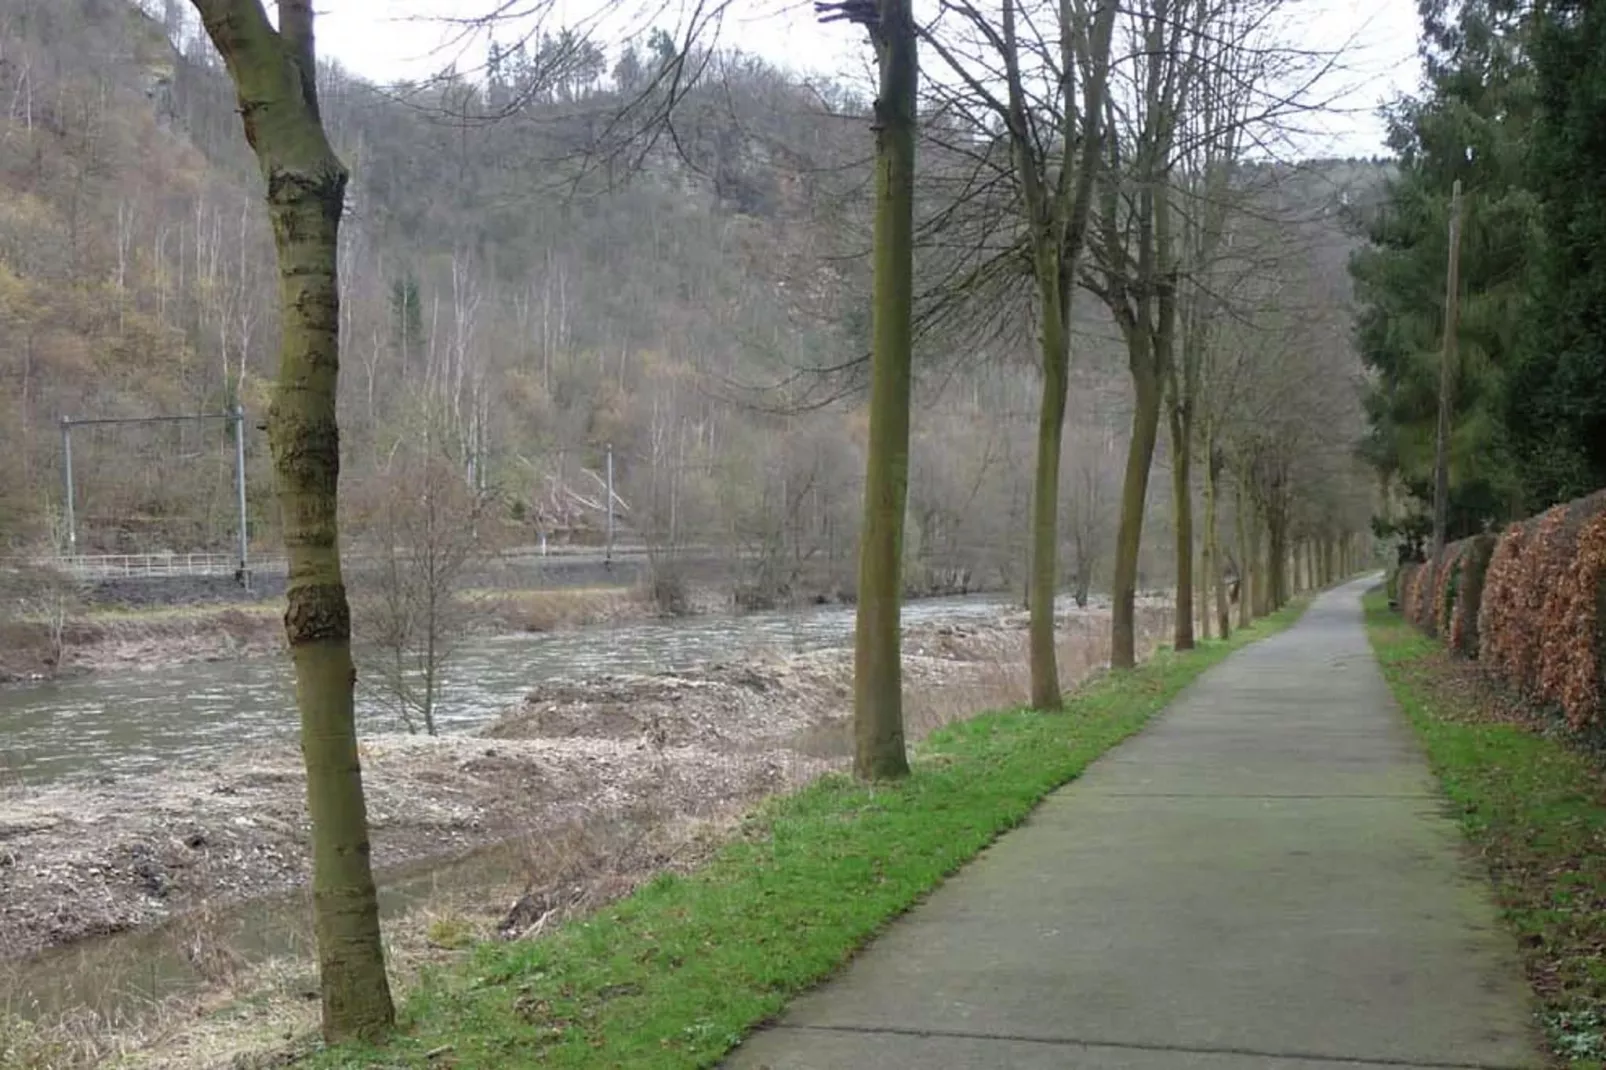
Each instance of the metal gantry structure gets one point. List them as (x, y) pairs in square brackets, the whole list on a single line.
[(236, 416)]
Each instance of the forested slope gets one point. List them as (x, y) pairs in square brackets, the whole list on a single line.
[(512, 296)]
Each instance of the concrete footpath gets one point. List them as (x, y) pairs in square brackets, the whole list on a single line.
[(1265, 878)]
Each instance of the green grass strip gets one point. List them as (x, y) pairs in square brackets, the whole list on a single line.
[(1534, 807), (678, 972)]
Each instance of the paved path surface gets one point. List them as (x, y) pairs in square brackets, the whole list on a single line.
[(1264, 879)]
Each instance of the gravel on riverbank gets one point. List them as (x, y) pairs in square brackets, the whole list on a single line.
[(161, 637), (589, 788), (87, 858)]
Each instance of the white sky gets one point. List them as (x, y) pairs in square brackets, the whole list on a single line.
[(389, 40)]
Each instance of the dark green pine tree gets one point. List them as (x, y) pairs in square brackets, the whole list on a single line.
[(1557, 397), (1470, 124)]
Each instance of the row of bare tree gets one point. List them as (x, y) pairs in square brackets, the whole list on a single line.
[(1090, 148), (1126, 151)]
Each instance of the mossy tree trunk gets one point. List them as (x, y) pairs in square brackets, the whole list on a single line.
[(1045, 492), (1262, 564), (275, 76), (1215, 572), (1276, 561), (1057, 196), (1181, 422), (1134, 496), (879, 751), (1149, 353), (1137, 268), (1243, 520)]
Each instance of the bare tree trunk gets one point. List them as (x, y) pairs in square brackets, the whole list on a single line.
[(1149, 351), (1182, 511), (1150, 329), (1134, 495), (1262, 564), (877, 676), (1216, 572), (1276, 559), (431, 667), (1257, 537), (275, 73), (1241, 507), (1058, 216), (1214, 609), (1045, 495)]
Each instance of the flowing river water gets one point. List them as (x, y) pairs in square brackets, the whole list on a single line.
[(131, 724), (137, 723)]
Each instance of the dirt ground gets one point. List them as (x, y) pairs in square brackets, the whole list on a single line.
[(80, 860), (110, 641), (685, 751)]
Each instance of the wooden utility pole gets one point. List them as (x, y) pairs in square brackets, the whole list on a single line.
[(1447, 363)]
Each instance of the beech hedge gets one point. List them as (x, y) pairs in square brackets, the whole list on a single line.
[(1528, 604)]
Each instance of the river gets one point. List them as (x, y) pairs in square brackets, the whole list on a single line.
[(137, 723), (112, 725)]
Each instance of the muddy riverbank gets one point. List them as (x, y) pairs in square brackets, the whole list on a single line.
[(126, 640), (566, 801), (81, 859)]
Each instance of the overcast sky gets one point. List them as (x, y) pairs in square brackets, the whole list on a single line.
[(388, 40)]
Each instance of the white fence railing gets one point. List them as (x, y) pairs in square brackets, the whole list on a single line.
[(102, 566)]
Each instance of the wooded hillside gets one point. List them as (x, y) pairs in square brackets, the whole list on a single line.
[(520, 301)]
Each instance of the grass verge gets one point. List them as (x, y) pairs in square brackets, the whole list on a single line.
[(1533, 803), (678, 972)]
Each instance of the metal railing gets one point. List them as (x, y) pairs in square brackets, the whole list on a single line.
[(102, 566), (106, 566)]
